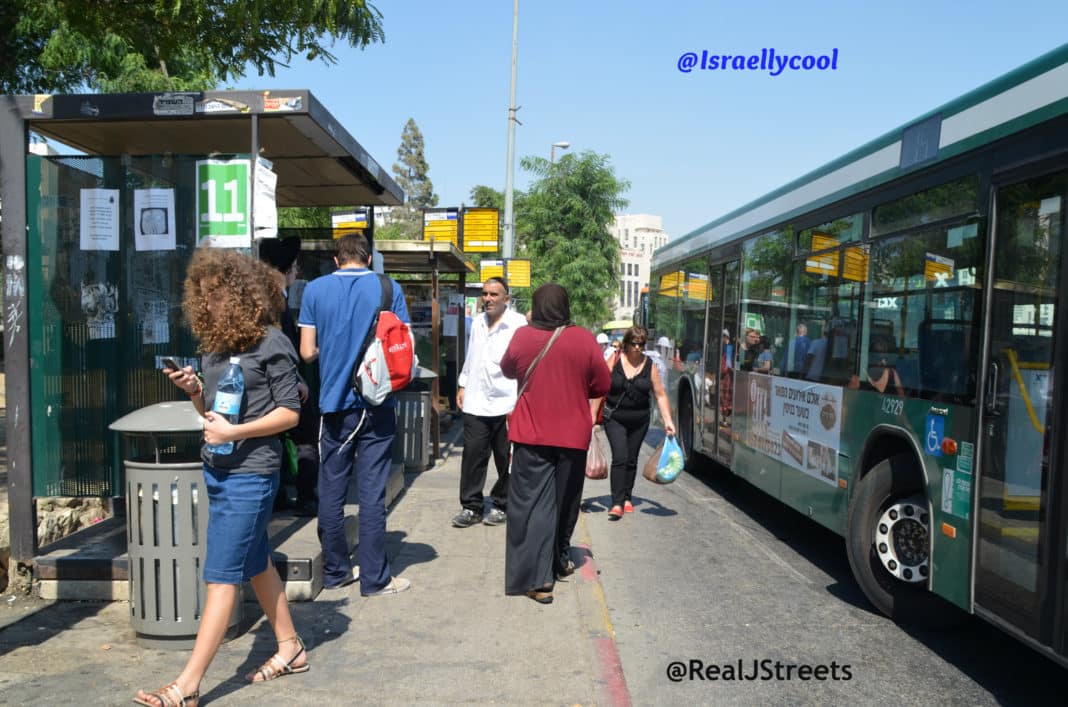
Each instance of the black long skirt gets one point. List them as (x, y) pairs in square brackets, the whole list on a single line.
[(535, 524)]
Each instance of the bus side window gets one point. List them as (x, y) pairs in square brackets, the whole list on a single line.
[(944, 365)]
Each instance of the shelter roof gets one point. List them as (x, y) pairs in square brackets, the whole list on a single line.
[(317, 161)]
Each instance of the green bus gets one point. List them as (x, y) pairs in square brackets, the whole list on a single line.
[(874, 344)]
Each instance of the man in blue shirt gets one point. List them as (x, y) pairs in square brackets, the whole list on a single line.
[(336, 313)]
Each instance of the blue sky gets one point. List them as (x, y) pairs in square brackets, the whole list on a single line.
[(603, 76)]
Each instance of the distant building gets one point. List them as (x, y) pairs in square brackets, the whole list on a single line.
[(638, 235)]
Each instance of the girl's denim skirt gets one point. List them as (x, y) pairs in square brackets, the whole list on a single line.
[(239, 508)]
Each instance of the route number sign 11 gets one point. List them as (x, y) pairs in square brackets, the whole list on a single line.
[(223, 203)]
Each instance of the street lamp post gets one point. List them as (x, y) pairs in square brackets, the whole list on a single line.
[(563, 145), (508, 232)]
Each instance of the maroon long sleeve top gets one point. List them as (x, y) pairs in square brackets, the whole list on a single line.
[(554, 410)]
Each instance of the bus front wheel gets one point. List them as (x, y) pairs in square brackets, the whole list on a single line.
[(888, 542)]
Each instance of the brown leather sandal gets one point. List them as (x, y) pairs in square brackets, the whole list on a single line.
[(541, 596), (275, 667), (169, 696)]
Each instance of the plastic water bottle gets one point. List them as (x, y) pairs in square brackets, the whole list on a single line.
[(228, 401)]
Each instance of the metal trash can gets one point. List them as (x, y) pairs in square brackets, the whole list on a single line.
[(412, 443), (167, 525)]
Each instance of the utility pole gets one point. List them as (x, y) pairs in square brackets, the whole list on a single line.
[(507, 248)]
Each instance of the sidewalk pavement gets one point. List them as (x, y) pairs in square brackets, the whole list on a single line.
[(454, 637)]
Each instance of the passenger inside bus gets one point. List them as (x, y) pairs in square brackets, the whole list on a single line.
[(882, 374), (794, 361), (817, 354), (763, 359), (750, 349)]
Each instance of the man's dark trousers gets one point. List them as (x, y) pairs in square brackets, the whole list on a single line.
[(481, 436), (368, 453)]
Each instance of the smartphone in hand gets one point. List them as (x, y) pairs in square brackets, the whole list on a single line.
[(169, 363)]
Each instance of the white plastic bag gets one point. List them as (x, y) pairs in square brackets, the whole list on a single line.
[(596, 461)]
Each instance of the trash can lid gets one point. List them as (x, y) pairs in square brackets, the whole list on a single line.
[(174, 416)]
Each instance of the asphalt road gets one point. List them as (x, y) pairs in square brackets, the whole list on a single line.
[(710, 569)]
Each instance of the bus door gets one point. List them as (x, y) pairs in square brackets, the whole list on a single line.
[(713, 369), (724, 425), (1020, 552)]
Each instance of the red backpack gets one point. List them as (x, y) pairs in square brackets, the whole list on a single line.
[(387, 358)]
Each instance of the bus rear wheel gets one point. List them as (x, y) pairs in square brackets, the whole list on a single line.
[(888, 542)]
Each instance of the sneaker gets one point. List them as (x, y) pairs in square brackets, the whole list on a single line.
[(495, 517), (466, 518), (347, 581), (396, 586), (628, 507), (616, 513)]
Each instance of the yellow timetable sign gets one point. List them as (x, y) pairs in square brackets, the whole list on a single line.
[(671, 284), (490, 268), (825, 263), (347, 222), (855, 264), (937, 268), (441, 225), (696, 286), (518, 272), (481, 230)]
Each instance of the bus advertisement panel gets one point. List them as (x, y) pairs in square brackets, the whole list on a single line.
[(798, 423)]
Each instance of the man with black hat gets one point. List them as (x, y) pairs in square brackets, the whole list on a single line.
[(282, 254)]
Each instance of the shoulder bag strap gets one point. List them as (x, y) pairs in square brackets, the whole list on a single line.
[(537, 359)]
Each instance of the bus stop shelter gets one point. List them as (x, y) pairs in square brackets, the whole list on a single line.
[(86, 317)]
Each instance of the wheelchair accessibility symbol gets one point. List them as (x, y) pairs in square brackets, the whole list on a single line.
[(936, 426)]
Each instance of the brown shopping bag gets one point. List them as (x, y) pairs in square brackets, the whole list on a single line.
[(649, 470), (596, 461)]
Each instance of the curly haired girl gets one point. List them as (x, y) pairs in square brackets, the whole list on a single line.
[(231, 303)]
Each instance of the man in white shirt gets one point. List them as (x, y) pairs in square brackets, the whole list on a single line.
[(486, 397)]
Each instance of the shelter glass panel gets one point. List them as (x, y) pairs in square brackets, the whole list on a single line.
[(100, 310)]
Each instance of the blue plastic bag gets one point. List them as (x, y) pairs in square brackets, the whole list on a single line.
[(671, 461)]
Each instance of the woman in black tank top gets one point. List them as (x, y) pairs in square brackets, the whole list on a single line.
[(635, 381)]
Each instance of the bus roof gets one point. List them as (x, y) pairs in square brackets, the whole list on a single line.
[(1026, 96)]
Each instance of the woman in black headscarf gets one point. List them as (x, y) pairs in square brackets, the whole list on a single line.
[(559, 367)]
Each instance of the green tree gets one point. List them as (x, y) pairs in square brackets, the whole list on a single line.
[(490, 198), (411, 172), (395, 231), (63, 45), (304, 217), (562, 227)]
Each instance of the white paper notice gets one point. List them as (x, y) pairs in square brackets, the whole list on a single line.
[(265, 208), (155, 329), (449, 320), (100, 219), (154, 219)]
